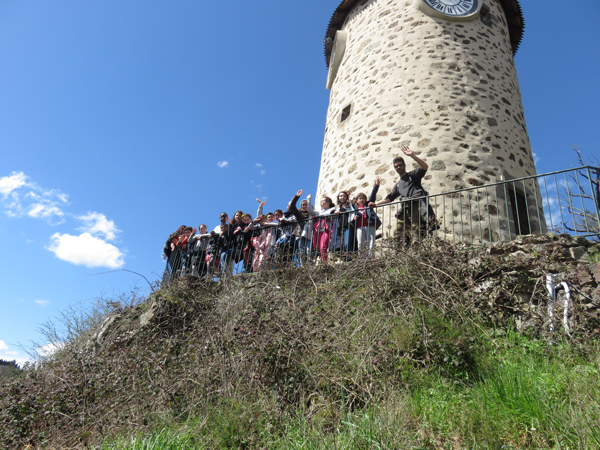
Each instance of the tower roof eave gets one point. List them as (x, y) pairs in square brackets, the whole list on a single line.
[(512, 10)]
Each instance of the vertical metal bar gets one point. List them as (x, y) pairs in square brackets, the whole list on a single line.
[(404, 211), (479, 218), (594, 199), (498, 215), (506, 203), (518, 230), (383, 220), (435, 223), (426, 213), (452, 204), (403, 237), (444, 209), (579, 190), (487, 202), (537, 205), (548, 201), (559, 204), (526, 206), (470, 216), (462, 228), (569, 195)]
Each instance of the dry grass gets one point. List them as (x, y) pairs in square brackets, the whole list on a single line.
[(317, 343)]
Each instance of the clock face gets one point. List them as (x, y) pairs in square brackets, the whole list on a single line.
[(453, 8)]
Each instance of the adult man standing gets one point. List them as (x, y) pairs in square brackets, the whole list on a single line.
[(417, 213)]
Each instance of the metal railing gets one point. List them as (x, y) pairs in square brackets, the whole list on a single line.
[(566, 201)]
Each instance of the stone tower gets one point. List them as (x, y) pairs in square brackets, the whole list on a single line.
[(435, 75)]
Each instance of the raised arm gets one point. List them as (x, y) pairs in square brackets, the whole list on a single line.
[(393, 195), (259, 211), (309, 207), (293, 207), (408, 152), (375, 190)]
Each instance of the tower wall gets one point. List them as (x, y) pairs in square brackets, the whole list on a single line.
[(448, 90)]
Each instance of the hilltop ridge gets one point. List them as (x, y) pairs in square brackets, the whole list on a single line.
[(311, 343)]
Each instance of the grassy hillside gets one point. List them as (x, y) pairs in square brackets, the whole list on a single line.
[(437, 346)]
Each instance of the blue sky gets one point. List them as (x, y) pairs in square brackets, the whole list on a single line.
[(121, 120)]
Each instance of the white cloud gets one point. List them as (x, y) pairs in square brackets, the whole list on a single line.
[(262, 172), (86, 250), (14, 181), (10, 355), (40, 210), (258, 165), (97, 224), (20, 197), (222, 164), (536, 158), (44, 350), (42, 302), (49, 349)]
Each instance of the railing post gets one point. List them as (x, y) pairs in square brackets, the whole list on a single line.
[(560, 208), (595, 198), (537, 206), (487, 202), (569, 197), (548, 203), (507, 203), (527, 207)]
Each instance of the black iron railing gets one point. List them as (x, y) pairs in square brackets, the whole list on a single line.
[(566, 201)]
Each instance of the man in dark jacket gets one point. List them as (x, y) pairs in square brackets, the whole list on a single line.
[(417, 213)]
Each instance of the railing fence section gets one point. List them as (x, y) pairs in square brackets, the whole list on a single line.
[(566, 201)]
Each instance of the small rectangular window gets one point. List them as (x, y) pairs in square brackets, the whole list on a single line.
[(345, 113)]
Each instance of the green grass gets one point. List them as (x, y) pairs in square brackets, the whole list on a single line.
[(394, 354), (164, 439), (529, 394)]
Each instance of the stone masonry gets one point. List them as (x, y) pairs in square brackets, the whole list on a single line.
[(446, 89)]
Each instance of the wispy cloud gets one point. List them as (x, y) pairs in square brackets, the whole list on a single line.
[(21, 197), (3, 346), (259, 166), (86, 250), (97, 224), (9, 355), (42, 302), (12, 182), (222, 164)]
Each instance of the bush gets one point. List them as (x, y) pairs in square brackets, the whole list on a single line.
[(411, 339)]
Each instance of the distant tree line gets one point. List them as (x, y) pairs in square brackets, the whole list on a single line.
[(8, 367)]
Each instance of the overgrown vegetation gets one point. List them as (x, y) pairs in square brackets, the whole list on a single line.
[(437, 346)]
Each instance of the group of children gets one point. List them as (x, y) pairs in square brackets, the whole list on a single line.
[(298, 236)]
